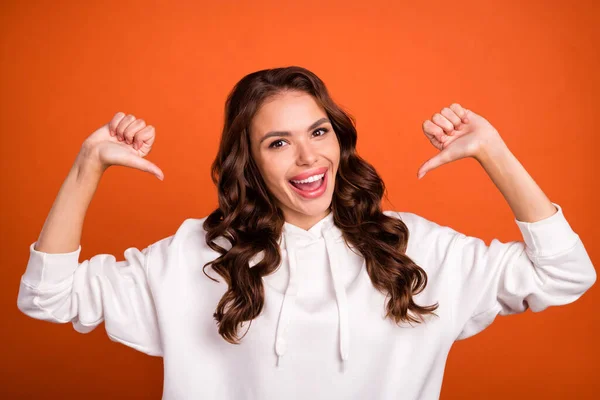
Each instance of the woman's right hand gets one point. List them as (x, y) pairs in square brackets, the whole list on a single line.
[(124, 141)]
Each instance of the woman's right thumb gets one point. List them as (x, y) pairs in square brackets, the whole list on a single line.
[(145, 165)]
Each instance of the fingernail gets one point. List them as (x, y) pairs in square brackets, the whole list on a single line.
[(120, 139)]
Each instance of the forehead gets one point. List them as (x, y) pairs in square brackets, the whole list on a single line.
[(288, 111)]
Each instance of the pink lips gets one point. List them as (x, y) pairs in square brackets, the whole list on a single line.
[(314, 193), (307, 174)]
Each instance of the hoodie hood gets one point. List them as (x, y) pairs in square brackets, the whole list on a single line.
[(295, 240)]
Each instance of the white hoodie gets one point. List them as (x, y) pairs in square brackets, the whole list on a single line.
[(322, 333)]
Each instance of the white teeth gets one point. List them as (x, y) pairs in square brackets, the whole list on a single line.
[(310, 179)]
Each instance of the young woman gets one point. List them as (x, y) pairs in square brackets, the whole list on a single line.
[(299, 286)]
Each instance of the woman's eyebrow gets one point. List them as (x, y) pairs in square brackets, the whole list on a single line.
[(287, 133)]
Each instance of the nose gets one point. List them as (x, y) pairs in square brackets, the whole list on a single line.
[(305, 153)]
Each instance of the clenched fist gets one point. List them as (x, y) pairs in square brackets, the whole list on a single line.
[(124, 141)]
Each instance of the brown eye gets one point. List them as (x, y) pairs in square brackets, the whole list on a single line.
[(271, 146), (325, 130), (274, 145)]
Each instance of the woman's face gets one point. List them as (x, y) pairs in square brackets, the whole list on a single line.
[(291, 135)]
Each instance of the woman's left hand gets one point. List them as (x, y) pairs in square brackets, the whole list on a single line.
[(458, 133)]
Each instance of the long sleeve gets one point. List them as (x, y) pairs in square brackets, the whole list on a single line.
[(56, 287), (550, 267)]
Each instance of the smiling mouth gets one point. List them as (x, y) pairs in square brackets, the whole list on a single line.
[(309, 186)]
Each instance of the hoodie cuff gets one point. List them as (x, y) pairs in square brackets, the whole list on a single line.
[(49, 268), (549, 236)]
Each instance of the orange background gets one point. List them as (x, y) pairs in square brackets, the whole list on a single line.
[(530, 68)]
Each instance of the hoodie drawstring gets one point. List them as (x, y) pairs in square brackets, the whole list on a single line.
[(289, 298), (340, 295)]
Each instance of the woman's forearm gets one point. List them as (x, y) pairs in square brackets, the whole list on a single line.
[(526, 199), (62, 229)]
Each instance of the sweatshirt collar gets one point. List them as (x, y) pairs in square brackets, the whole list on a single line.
[(315, 232), (293, 240)]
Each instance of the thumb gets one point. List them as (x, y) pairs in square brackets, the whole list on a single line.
[(146, 166), (440, 159)]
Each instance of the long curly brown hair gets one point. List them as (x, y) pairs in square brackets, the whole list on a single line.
[(250, 220)]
